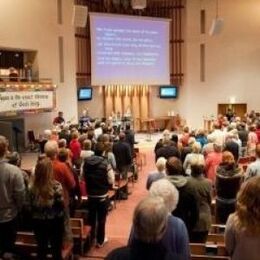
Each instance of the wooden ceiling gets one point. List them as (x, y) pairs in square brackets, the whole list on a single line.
[(124, 6)]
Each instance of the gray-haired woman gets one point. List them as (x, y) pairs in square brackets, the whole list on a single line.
[(175, 239), (150, 223)]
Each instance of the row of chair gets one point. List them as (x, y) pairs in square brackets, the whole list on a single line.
[(214, 248), (27, 246), (208, 251), (26, 243)]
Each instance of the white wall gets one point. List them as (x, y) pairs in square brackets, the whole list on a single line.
[(232, 58), (94, 106), (32, 24), (161, 107)]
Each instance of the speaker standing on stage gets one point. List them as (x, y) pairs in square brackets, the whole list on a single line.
[(59, 120)]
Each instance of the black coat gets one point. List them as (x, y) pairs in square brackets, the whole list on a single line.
[(188, 206), (96, 175), (228, 181), (122, 152), (167, 152), (130, 139), (232, 147)]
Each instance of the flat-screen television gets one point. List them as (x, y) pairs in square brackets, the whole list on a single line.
[(168, 92), (84, 93)]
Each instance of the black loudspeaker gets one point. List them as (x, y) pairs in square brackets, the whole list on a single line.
[(80, 14), (216, 26)]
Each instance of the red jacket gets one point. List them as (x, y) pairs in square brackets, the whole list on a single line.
[(63, 175), (75, 149), (257, 131)]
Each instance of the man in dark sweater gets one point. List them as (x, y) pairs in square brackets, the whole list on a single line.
[(122, 152), (130, 137), (98, 180)]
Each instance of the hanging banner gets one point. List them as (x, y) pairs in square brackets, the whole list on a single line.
[(13, 101)]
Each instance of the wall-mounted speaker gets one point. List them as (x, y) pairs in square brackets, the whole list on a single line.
[(80, 14), (139, 4), (216, 26)]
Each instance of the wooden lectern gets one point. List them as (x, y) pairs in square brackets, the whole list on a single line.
[(208, 124)]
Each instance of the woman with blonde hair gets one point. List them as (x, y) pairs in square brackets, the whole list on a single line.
[(47, 210), (194, 155), (242, 235)]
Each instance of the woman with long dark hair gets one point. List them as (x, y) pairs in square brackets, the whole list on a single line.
[(242, 236), (47, 210)]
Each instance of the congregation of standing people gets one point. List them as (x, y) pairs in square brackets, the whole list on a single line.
[(193, 168)]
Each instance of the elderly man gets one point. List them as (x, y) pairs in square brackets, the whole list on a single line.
[(159, 174), (12, 191), (149, 224)]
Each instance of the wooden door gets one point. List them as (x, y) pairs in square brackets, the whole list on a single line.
[(238, 109)]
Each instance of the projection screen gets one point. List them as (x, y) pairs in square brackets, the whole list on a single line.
[(129, 50)]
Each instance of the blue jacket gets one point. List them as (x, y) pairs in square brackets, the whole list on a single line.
[(175, 239)]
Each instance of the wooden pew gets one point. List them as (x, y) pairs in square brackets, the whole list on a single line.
[(112, 195), (120, 184), (80, 232), (208, 249), (208, 257), (216, 238), (217, 229), (26, 243), (243, 162)]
